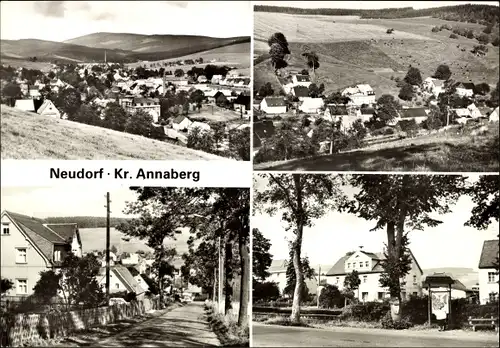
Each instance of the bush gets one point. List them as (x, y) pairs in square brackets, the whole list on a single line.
[(410, 127), (453, 36), (483, 39), (331, 297), (435, 29), (367, 312), (496, 41), (388, 323), (415, 310)]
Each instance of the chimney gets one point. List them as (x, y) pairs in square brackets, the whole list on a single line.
[(360, 248)]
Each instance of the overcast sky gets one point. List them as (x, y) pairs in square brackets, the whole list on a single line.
[(64, 20), (370, 4), (448, 245)]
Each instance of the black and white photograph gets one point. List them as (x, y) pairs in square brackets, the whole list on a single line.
[(148, 80), (128, 267), (409, 86), (379, 260)]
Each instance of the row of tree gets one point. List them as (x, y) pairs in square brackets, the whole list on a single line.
[(395, 203)]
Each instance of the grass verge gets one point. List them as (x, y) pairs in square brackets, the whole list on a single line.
[(226, 328)]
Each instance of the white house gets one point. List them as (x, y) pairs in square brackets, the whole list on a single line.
[(273, 105), (311, 105), (301, 80), (474, 111), (465, 89), (216, 79), (434, 86), (48, 109), (494, 115), (120, 279), (25, 105), (488, 274), (204, 127), (181, 123), (133, 259), (360, 94), (368, 265), (277, 272), (418, 114)]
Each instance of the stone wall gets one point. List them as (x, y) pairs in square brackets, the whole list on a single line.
[(25, 327)]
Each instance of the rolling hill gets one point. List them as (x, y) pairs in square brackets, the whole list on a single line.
[(27, 135), (120, 48)]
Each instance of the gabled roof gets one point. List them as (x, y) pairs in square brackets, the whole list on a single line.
[(301, 91), (489, 254), (313, 103), (278, 266), (302, 78), (25, 105), (275, 101), (179, 119), (124, 275), (44, 236), (466, 85)]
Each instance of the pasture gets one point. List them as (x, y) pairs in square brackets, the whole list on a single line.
[(28, 135), (20, 63)]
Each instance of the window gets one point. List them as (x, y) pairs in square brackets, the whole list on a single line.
[(337, 280), (57, 255), (366, 264), (364, 296), (22, 286), (380, 295), (21, 255), (415, 293), (5, 229), (349, 265), (493, 296), (414, 279), (361, 265), (117, 286), (491, 277), (364, 279), (403, 295)]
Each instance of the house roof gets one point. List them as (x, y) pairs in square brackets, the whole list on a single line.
[(367, 111), (313, 103), (414, 112), (302, 78), (44, 236), (179, 119), (25, 104), (489, 254), (124, 275), (146, 100), (463, 112), (301, 91), (467, 85), (438, 83), (133, 271), (365, 88), (275, 101), (278, 266)]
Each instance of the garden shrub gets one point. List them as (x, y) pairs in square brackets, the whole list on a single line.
[(388, 323), (367, 312)]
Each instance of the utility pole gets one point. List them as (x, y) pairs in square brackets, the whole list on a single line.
[(221, 279), (215, 284), (319, 283), (108, 212)]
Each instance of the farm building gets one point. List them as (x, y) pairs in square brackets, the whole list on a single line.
[(311, 105), (273, 105), (419, 115), (300, 92), (181, 123), (465, 89), (360, 94), (48, 109), (301, 80), (434, 86)]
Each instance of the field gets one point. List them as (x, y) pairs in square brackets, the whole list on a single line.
[(442, 152), (31, 136), (353, 51), (21, 63), (214, 113), (95, 239)]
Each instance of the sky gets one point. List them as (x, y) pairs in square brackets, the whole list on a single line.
[(448, 245), (64, 20), (368, 5)]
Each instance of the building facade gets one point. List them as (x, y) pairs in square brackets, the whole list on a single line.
[(488, 274)]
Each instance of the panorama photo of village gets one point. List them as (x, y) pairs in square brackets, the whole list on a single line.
[(410, 87), (166, 85)]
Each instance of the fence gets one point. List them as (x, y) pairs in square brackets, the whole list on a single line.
[(21, 328)]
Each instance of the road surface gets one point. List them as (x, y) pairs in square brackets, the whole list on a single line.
[(283, 336), (182, 327)]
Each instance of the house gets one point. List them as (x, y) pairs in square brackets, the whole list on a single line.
[(300, 92), (360, 94), (138, 278), (113, 258), (368, 265), (132, 259), (311, 105), (25, 105), (216, 79), (203, 127), (262, 130), (242, 102), (277, 274), (34, 92), (48, 109), (494, 115), (488, 274), (433, 86), (301, 80), (465, 89), (30, 245), (273, 105), (150, 105), (474, 111), (202, 79), (419, 115), (120, 279), (220, 99), (181, 123)]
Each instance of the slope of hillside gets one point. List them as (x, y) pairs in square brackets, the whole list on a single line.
[(153, 43), (30, 136)]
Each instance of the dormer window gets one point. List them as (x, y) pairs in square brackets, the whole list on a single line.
[(57, 255)]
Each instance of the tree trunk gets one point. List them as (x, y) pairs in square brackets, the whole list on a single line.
[(299, 277), (395, 291), (228, 279), (245, 280)]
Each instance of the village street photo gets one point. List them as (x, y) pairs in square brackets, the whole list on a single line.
[(138, 267), (375, 260), (169, 84), (355, 86)]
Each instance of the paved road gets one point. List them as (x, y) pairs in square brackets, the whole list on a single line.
[(182, 327), (281, 336)]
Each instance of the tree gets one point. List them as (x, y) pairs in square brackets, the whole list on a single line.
[(140, 123), (352, 282), (79, 280), (299, 199), (400, 203), (387, 108), (178, 73), (482, 88), (443, 72), (5, 285), (280, 39), (87, 114), (197, 97), (486, 197), (47, 286), (330, 297), (266, 90), (200, 139), (315, 91), (483, 39), (13, 92), (265, 291), (115, 117), (312, 61), (406, 92), (261, 257), (239, 143), (69, 101), (488, 29), (413, 77), (277, 54)]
